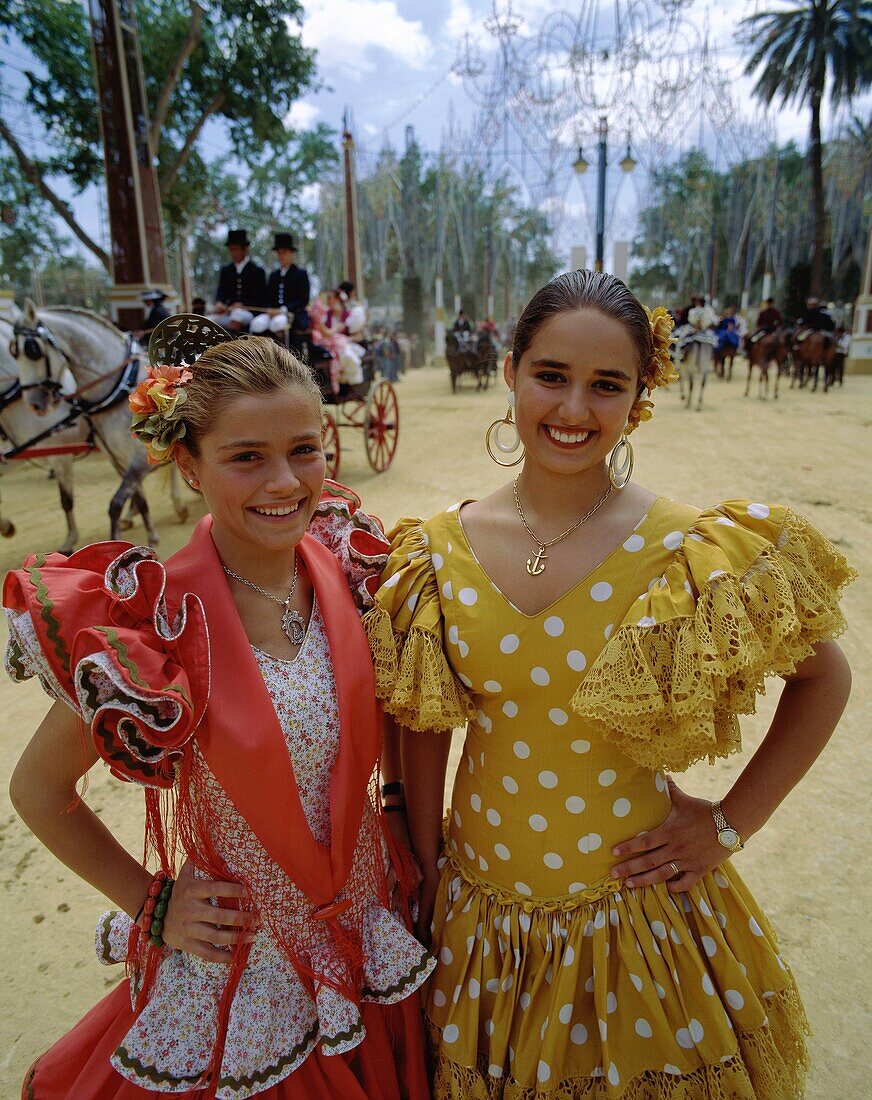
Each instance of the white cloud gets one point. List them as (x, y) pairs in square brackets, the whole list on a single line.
[(461, 19), (302, 114), (348, 34)]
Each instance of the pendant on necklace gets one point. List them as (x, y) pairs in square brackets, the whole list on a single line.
[(536, 565), (294, 626)]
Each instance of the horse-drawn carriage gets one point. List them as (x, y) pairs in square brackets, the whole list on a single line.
[(471, 353), (369, 405)]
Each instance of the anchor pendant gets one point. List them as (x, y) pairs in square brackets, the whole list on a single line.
[(294, 626), (536, 565)]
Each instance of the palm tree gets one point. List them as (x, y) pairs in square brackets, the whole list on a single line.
[(800, 51)]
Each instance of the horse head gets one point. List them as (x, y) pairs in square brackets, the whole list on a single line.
[(43, 361)]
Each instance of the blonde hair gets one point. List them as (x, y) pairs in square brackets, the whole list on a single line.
[(236, 368)]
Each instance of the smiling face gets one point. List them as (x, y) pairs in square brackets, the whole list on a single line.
[(574, 388), (261, 470)]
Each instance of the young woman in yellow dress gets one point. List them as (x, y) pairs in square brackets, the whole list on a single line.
[(594, 636)]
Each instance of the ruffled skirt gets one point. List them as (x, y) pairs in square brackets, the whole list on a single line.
[(387, 1065)]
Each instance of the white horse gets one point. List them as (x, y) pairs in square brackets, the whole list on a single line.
[(694, 348), (71, 358), (19, 424)]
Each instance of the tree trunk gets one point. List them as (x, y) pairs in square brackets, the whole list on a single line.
[(192, 40), (815, 156), (33, 174), (168, 178)]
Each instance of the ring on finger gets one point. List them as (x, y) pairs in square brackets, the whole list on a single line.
[(674, 866)]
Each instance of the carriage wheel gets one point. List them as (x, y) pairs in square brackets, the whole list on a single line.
[(330, 442), (381, 429)]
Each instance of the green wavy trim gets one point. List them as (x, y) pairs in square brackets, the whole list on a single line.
[(105, 929), (158, 1077), (121, 649), (46, 615), (15, 661), (403, 983), (343, 1036)]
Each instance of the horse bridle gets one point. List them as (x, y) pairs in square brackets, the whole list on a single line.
[(30, 336)]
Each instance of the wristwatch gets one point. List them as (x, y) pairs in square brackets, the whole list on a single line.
[(727, 836)]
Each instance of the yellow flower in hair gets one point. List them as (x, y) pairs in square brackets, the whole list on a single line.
[(659, 370), (641, 410)]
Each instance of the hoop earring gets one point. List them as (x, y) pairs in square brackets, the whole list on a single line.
[(621, 463), (493, 432)]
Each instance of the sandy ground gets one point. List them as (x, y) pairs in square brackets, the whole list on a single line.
[(808, 867)]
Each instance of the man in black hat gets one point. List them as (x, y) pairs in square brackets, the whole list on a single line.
[(287, 292), (157, 313), (241, 285)]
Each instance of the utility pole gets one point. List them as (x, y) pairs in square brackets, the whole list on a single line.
[(352, 244), (138, 253), (602, 165)]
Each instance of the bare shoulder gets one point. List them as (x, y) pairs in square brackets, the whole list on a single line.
[(492, 511)]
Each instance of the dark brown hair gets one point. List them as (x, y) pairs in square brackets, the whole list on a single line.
[(585, 290)]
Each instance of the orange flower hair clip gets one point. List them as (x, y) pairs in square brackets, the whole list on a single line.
[(157, 404), (659, 370)]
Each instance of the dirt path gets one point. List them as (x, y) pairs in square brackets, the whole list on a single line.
[(808, 867)]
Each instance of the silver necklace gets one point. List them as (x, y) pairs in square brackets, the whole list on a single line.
[(293, 623), (536, 565)]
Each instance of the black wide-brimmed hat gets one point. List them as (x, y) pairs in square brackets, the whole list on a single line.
[(284, 240), (237, 236), (153, 296)]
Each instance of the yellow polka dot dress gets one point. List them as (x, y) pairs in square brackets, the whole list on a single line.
[(553, 979)]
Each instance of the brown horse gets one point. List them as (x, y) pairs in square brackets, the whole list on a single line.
[(722, 361), (771, 348), (811, 351)]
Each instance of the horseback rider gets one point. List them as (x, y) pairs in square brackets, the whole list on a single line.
[(157, 313), (461, 323), (287, 292), (728, 330), (241, 285), (769, 319), (816, 318)]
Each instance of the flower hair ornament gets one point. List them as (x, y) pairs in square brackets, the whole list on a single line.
[(658, 371), (158, 401)]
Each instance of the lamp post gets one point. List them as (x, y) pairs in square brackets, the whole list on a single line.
[(580, 166)]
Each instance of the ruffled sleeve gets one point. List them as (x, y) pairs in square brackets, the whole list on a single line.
[(750, 591), (356, 540), (414, 680)]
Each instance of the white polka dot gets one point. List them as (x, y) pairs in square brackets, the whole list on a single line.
[(524, 921), (684, 1039), (621, 807), (468, 850), (524, 1001), (492, 985), (580, 746), (674, 936), (758, 511), (670, 1068), (613, 1076), (576, 660), (438, 561), (554, 626), (607, 777), (548, 779), (448, 591), (558, 717), (439, 998), (643, 1028), (634, 543), (467, 596), (510, 785), (392, 582), (611, 1003), (493, 685), (578, 1035), (715, 573), (603, 1029), (637, 982), (475, 802), (725, 521), (494, 818), (710, 946), (601, 591), (659, 929), (540, 676), (661, 992), (538, 823), (507, 983), (521, 749), (590, 843), (696, 1031), (576, 887), (608, 631), (464, 679), (510, 709), (707, 985), (483, 864), (568, 956), (575, 804), (647, 620), (524, 889), (450, 1033), (463, 647), (735, 999), (493, 1069), (509, 643), (659, 782), (599, 920), (552, 860), (543, 1072), (565, 1014), (755, 927), (453, 634), (457, 819), (673, 540), (722, 880), (412, 601)]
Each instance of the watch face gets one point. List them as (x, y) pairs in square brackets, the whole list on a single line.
[(728, 837)]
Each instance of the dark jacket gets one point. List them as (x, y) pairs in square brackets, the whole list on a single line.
[(247, 286), (817, 319), (156, 314), (290, 290), (769, 319)]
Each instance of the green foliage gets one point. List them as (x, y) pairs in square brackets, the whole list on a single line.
[(27, 231)]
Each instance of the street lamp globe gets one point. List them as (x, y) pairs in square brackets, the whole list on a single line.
[(628, 162), (580, 165)]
